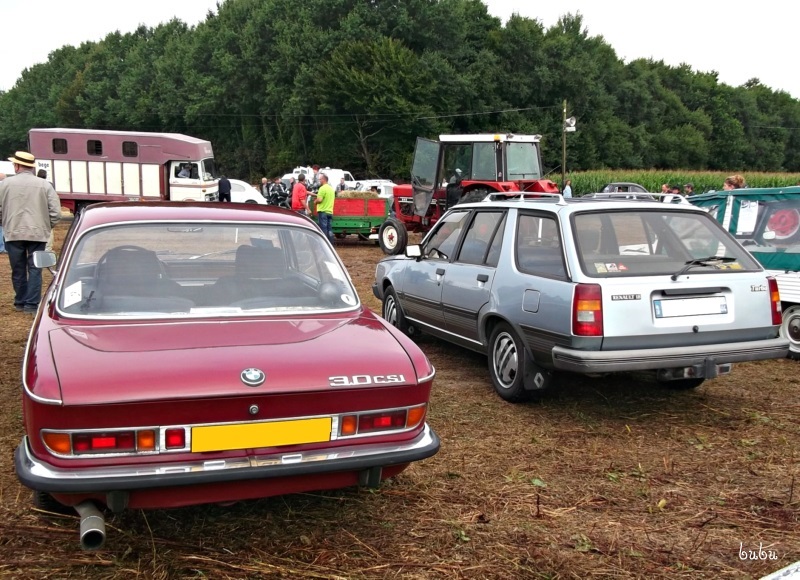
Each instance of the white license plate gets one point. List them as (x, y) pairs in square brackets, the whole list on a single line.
[(690, 306)]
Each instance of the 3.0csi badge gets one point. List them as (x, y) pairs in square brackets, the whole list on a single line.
[(253, 377)]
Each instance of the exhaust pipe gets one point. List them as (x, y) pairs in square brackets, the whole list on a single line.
[(93, 526)]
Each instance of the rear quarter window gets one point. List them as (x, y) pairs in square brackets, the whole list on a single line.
[(539, 250)]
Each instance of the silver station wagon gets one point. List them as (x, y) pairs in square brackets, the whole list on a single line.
[(541, 285)]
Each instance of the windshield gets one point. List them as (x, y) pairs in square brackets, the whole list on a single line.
[(522, 160), (185, 269), (210, 169), (634, 243)]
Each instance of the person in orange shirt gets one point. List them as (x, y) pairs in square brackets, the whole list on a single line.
[(300, 195)]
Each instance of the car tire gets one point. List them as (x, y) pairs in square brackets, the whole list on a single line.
[(790, 329), (392, 312), (393, 237), (473, 196), (506, 364), (252, 201)]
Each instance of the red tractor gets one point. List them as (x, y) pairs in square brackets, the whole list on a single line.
[(459, 169)]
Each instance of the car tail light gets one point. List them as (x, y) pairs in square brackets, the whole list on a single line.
[(775, 300), (349, 425), (388, 421), (371, 423), (416, 416), (587, 310), (126, 441), (175, 438), (112, 442)]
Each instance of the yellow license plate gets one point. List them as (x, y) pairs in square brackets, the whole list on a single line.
[(250, 435)]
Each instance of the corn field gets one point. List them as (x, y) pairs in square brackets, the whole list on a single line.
[(584, 182)]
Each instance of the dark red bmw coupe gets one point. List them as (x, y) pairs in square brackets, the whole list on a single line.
[(195, 353)]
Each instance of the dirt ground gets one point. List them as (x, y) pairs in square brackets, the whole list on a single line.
[(609, 478)]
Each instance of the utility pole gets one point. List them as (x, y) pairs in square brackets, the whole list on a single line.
[(564, 147), (567, 126)]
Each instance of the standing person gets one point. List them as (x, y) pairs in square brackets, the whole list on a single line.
[(224, 189), (314, 177), (567, 189), (29, 208), (265, 188), (341, 187), (688, 189), (665, 188), (2, 240), (324, 201), (300, 195)]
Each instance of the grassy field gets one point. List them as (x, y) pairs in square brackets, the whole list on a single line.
[(604, 477)]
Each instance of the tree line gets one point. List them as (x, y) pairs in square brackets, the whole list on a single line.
[(352, 83)]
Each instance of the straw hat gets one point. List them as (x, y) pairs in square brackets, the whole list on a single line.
[(23, 158)]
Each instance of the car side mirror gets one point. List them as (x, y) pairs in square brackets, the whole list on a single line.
[(43, 259), (414, 251)]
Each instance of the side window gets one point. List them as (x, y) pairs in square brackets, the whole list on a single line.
[(94, 147), (130, 149), (479, 236), (60, 146), (442, 243), (497, 244), (538, 246)]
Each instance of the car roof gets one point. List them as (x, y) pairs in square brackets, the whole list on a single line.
[(99, 214)]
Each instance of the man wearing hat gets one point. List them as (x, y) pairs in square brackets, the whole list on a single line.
[(29, 208)]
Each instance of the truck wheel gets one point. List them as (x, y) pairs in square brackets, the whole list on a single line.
[(790, 329), (474, 195), (393, 237)]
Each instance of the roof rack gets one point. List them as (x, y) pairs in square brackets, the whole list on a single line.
[(521, 196), (675, 198)]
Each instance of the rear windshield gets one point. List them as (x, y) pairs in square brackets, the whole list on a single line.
[(201, 269), (637, 243)]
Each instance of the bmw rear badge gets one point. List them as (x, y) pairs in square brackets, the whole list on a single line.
[(253, 377)]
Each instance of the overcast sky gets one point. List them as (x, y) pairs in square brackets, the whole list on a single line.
[(739, 41)]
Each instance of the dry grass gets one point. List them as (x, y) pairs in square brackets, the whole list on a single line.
[(603, 478)]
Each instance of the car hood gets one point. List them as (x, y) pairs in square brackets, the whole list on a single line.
[(145, 362)]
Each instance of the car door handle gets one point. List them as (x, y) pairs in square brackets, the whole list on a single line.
[(483, 277), (440, 271)]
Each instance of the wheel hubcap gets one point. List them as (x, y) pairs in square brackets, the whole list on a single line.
[(505, 360), (390, 312)]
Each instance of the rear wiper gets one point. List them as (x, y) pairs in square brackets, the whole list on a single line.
[(709, 261)]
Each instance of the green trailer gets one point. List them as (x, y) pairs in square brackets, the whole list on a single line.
[(369, 218)]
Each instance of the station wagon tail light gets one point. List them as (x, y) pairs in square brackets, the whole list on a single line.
[(775, 300), (587, 310)]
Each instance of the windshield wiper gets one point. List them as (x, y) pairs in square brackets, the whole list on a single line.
[(709, 261)]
